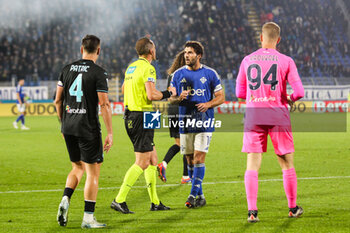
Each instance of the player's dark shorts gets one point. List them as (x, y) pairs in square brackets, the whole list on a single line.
[(88, 150), (141, 138), (173, 112)]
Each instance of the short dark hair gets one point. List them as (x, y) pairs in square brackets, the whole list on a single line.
[(143, 46), (196, 45), (90, 43)]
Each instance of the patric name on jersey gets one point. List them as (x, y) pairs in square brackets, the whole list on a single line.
[(79, 68)]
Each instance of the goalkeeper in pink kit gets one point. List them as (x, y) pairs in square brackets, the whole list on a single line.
[(262, 81)]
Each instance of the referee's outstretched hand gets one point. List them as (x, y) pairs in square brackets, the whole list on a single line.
[(108, 143)]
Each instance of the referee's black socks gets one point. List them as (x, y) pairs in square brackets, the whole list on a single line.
[(173, 150)]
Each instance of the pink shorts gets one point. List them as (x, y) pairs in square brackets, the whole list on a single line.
[(255, 138)]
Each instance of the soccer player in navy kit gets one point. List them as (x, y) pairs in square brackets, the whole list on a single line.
[(21, 105), (81, 86), (201, 91)]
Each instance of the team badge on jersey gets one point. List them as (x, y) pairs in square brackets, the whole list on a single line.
[(203, 80), (151, 120)]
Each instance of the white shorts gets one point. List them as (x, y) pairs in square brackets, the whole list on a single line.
[(190, 142), (21, 108)]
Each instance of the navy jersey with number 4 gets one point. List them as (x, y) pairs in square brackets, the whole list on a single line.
[(202, 83), (81, 81)]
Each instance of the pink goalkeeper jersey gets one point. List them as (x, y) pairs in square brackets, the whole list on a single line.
[(264, 74)]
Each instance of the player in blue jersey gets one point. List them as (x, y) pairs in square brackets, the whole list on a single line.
[(21, 105), (201, 91)]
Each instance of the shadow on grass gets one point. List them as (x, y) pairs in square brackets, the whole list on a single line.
[(245, 227), (285, 225)]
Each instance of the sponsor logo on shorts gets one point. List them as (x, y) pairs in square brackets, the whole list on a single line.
[(130, 124)]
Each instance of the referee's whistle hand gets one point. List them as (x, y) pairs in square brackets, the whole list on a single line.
[(108, 143)]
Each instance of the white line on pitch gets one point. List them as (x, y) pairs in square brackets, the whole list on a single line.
[(173, 185)]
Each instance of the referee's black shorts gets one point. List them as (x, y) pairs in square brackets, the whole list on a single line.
[(141, 138), (88, 150)]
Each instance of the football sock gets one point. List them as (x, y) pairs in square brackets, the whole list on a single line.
[(88, 216), (200, 191), (22, 119), (68, 192), (89, 211), (198, 175), (129, 180), (89, 206), (190, 170), (173, 150), (290, 186), (151, 180), (19, 118), (251, 188), (185, 172)]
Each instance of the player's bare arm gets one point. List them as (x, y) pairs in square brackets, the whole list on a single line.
[(59, 102), (106, 113), (154, 94), (219, 99)]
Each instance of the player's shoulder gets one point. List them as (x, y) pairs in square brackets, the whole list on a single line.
[(67, 67), (179, 71), (285, 59), (210, 70), (99, 69), (142, 64), (248, 56)]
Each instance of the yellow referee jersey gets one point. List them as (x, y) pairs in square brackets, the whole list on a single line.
[(136, 75)]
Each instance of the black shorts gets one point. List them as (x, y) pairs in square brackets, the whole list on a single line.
[(141, 138), (173, 112), (84, 149)]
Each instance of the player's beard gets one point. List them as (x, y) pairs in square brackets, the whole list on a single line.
[(191, 63)]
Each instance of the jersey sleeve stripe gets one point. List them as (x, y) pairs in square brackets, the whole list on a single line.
[(216, 73), (102, 91), (218, 88)]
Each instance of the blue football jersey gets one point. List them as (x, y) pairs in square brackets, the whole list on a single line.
[(19, 90), (202, 83)]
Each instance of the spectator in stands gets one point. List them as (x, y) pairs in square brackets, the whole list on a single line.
[(31, 49)]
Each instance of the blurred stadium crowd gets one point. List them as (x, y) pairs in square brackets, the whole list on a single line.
[(314, 33)]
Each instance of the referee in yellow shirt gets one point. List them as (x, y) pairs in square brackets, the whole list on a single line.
[(139, 91)]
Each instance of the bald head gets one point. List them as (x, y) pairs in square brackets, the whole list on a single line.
[(271, 32)]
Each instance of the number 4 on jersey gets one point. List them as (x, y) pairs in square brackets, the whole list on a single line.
[(75, 89)]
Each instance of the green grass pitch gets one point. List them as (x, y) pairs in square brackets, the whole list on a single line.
[(34, 165)]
